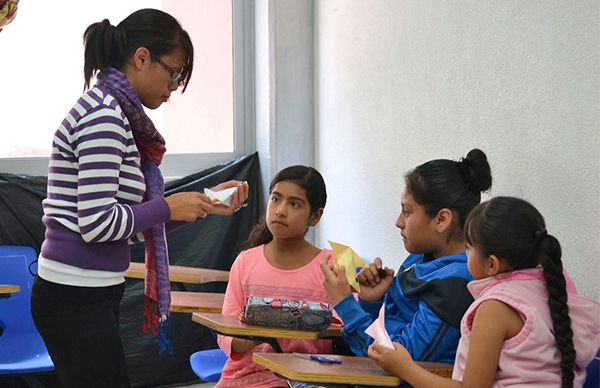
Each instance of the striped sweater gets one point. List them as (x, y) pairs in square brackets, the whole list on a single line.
[(95, 188)]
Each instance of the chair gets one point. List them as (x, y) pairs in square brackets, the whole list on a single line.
[(592, 379), (208, 364), (22, 350)]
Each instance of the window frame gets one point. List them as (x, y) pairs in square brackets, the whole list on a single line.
[(179, 165)]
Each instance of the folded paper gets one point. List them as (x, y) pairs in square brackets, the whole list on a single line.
[(377, 330), (350, 260), (223, 197)]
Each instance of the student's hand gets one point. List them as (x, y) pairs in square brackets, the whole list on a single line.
[(335, 285), (395, 361), (188, 206), (240, 196), (372, 285)]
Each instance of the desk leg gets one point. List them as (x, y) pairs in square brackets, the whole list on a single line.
[(274, 344)]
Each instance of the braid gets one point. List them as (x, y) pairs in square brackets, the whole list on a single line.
[(557, 302)]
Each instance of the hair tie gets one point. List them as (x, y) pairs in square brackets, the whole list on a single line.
[(541, 235)]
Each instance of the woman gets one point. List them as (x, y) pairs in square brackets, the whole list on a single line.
[(105, 190)]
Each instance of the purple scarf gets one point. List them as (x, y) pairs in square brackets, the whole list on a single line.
[(151, 145)]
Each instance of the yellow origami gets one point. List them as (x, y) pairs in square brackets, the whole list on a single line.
[(350, 260)]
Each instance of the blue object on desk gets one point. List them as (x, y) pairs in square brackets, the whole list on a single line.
[(321, 359), (326, 360)]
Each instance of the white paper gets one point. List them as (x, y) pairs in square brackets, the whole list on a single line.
[(378, 332), (222, 197)]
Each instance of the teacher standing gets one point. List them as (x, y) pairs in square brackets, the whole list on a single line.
[(105, 191)]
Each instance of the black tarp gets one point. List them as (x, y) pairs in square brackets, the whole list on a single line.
[(210, 243)]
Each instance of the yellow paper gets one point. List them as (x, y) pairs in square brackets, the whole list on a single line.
[(350, 260)]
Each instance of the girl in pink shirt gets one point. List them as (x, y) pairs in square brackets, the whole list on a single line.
[(527, 326), (278, 262)]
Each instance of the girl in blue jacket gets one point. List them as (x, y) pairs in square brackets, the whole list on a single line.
[(425, 302)]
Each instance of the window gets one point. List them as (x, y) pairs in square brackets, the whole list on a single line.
[(42, 72)]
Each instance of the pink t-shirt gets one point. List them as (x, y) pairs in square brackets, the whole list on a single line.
[(531, 358), (252, 275)]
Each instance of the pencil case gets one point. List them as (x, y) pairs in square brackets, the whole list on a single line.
[(287, 313)]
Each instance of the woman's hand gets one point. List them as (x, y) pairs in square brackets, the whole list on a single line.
[(240, 196), (335, 285), (395, 361), (373, 283), (188, 206)]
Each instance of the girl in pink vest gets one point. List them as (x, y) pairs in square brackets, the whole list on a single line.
[(527, 326)]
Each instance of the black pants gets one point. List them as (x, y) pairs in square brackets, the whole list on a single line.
[(80, 326)]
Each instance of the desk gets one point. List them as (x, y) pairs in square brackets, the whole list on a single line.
[(189, 302), (232, 326), (352, 370), (7, 289), (181, 274)]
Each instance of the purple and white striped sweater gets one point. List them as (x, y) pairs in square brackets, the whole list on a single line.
[(95, 188)]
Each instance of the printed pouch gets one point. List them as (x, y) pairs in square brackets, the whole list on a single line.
[(287, 313)]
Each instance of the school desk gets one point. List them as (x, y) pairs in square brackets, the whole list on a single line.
[(181, 274), (232, 326), (189, 302), (7, 289), (352, 370)]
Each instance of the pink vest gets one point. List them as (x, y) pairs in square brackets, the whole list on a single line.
[(531, 358)]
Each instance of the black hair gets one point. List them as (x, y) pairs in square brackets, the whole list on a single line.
[(444, 183), (513, 230), (159, 32), (306, 177)]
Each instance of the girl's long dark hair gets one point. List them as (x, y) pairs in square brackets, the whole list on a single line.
[(306, 177), (159, 32), (444, 183), (513, 230)]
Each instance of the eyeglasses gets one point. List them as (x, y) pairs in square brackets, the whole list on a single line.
[(176, 77)]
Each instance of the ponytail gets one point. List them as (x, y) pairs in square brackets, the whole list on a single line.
[(550, 259), (104, 47)]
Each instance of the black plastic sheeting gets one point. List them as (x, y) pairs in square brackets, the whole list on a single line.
[(210, 243)]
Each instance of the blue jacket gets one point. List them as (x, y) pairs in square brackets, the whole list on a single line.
[(423, 308)]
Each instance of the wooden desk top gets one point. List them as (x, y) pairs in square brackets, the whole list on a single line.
[(9, 289), (189, 302), (231, 325), (352, 370), (181, 274)]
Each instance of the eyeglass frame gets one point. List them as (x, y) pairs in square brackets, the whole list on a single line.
[(176, 76)]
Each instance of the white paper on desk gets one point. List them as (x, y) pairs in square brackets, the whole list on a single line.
[(222, 197), (378, 332)]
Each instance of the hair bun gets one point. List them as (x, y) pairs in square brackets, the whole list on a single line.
[(476, 170)]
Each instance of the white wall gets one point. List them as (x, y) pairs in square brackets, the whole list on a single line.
[(400, 82), (284, 91)]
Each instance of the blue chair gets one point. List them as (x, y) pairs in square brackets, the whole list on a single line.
[(208, 364), (592, 379), (22, 350)]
